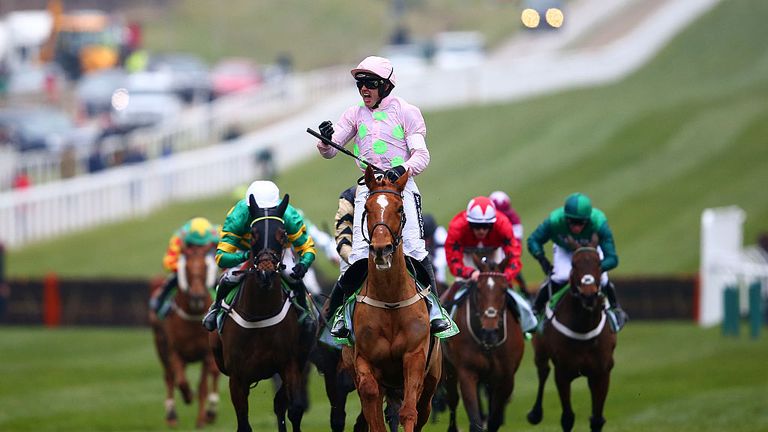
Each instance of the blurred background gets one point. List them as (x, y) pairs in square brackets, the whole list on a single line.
[(120, 120)]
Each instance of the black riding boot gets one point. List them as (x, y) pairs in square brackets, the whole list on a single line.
[(155, 303), (610, 293), (441, 324), (544, 294), (222, 290), (345, 286)]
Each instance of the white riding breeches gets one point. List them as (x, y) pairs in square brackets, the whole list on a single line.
[(413, 242), (561, 265)]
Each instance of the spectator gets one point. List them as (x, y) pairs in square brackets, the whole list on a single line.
[(68, 162), (96, 160), (21, 180)]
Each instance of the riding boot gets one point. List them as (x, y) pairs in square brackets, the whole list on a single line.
[(345, 286), (156, 302), (222, 290), (300, 291), (544, 294), (613, 303), (437, 322)]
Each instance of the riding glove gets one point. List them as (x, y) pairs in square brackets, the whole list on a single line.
[(299, 270), (394, 173), (326, 129), (546, 266)]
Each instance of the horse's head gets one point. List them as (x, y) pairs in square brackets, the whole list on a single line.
[(585, 275), (196, 275), (268, 239), (490, 298), (385, 217)]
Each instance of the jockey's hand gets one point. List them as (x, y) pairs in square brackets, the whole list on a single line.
[(475, 275), (326, 129), (394, 173), (299, 270), (546, 266)]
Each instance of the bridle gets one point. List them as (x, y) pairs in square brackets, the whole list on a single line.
[(266, 261), (586, 280), (396, 238), (490, 312)]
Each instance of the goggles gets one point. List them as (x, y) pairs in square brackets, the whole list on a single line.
[(369, 83), (577, 222), (481, 226)]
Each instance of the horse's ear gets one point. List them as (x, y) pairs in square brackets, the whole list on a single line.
[(253, 208), (283, 205), (478, 261), (370, 178), (400, 183), (595, 240)]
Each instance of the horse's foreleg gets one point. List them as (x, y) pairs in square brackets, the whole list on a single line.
[(212, 405), (414, 365), (431, 381), (500, 393), (180, 378), (371, 396), (563, 381), (598, 387), (542, 369), (468, 384), (295, 384), (280, 405), (451, 393), (238, 393), (202, 393)]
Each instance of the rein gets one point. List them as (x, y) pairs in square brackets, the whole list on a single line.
[(396, 237), (492, 313)]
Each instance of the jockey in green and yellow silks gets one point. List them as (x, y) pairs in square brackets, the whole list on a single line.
[(233, 248), (197, 231)]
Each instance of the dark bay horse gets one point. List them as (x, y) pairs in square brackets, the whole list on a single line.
[(180, 339), (578, 341), (487, 351), (261, 335), (393, 347)]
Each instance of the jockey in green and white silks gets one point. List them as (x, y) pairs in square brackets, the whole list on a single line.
[(570, 227), (233, 251)]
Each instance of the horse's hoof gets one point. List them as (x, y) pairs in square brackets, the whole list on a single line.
[(210, 416), (171, 419), (534, 417)]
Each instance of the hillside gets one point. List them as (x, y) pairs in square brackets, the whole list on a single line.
[(684, 133)]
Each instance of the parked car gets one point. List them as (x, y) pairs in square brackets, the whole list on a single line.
[(94, 91), (190, 75), (43, 129), (459, 49), (146, 101), (235, 75), (32, 79)]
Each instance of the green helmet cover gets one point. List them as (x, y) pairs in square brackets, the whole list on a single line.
[(199, 231), (578, 206)]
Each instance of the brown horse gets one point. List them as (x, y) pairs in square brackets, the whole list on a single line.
[(261, 335), (578, 341), (487, 351), (393, 348), (180, 339)]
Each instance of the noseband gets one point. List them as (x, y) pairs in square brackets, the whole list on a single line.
[(397, 238)]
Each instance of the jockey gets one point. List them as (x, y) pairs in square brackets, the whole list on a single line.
[(197, 231), (481, 229), (389, 132), (575, 221), (232, 252), (434, 238), (502, 203)]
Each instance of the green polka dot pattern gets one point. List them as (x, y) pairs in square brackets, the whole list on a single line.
[(379, 115), (398, 132), (362, 131), (356, 150), (379, 147), (397, 161)]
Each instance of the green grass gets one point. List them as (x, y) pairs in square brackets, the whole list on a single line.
[(317, 33), (668, 377), (686, 132)]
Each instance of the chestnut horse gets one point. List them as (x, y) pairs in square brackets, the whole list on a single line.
[(261, 335), (487, 351), (578, 341), (393, 348), (180, 339)]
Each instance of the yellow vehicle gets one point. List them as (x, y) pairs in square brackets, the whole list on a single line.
[(86, 40)]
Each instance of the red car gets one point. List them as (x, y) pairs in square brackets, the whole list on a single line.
[(235, 75)]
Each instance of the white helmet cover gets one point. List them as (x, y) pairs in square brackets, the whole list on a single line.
[(266, 194), (481, 210), (379, 66)]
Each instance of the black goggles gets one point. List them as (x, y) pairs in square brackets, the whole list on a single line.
[(574, 221), (481, 226), (369, 83)]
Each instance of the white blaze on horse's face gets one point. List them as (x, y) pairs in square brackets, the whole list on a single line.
[(384, 262), (490, 284), (587, 279), (383, 202)]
